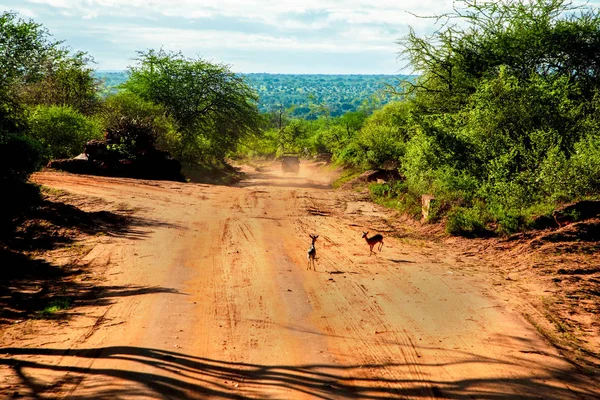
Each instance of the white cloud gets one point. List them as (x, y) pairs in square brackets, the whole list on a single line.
[(272, 12), (22, 11), (250, 32), (197, 40)]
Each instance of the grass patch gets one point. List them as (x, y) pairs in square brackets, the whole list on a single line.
[(53, 191), (55, 306)]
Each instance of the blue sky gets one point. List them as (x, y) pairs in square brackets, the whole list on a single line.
[(276, 36)]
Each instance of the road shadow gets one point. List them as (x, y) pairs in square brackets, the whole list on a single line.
[(50, 224), (156, 373), (401, 261), (28, 284)]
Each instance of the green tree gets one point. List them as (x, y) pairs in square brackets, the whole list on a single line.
[(37, 70), (504, 110), (125, 114), (549, 38), (27, 49), (62, 131), (67, 81), (212, 107), (24, 47)]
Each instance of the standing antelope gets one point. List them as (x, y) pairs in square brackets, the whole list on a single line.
[(372, 241), (312, 252)]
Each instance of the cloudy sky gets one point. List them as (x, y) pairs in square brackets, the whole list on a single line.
[(276, 36)]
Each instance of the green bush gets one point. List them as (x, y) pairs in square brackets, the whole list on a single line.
[(466, 221), (62, 131), (19, 157), (584, 168), (259, 146), (381, 138), (396, 194)]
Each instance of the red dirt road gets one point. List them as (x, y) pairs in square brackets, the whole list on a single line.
[(214, 301)]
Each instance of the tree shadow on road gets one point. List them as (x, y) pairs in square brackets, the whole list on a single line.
[(155, 373), (50, 224), (28, 283), (29, 286)]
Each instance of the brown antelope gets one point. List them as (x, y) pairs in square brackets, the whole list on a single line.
[(372, 241), (312, 252)]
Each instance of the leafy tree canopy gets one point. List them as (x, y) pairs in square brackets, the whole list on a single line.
[(212, 107), (37, 70), (548, 38)]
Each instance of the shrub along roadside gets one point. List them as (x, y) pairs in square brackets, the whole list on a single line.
[(62, 131), (502, 126)]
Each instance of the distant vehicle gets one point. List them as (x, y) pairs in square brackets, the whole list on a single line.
[(290, 163)]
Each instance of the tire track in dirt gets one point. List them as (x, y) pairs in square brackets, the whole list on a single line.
[(337, 297), (452, 339), (238, 315)]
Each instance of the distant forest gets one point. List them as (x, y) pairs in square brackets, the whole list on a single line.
[(305, 96)]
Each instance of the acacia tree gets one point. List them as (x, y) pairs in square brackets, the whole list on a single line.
[(548, 38), (66, 81), (505, 104), (23, 46), (212, 107), (35, 70)]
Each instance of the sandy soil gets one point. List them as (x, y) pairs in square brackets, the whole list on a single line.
[(207, 295)]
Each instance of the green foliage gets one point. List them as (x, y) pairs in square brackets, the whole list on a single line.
[(68, 81), (546, 37), (19, 157), (465, 221), (212, 107), (62, 131), (134, 124), (12, 112), (378, 139), (263, 146), (396, 194), (319, 95), (40, 71), (579, 177), (56, 305), (25, 47), (505, 119), (37, 70)]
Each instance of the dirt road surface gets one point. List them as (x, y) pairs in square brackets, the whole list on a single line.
[(208, 296)]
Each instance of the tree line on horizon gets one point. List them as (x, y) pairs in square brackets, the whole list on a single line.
[(500, 121), (299, 94)]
